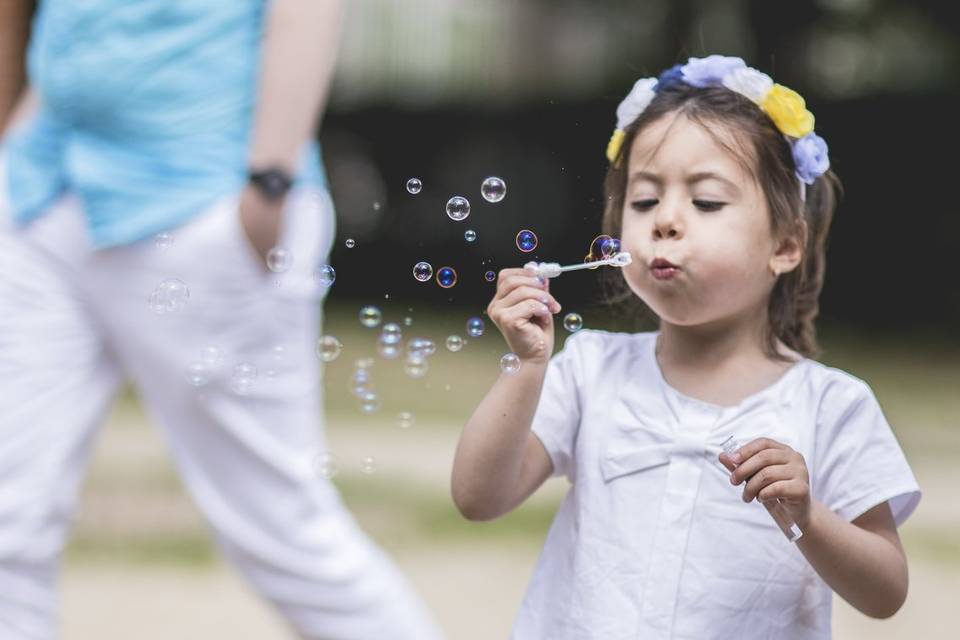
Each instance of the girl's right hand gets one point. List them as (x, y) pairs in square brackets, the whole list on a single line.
[(522, 310)]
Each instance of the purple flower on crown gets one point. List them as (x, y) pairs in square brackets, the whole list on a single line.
[(810, 156), (709, 71), (670, 77)]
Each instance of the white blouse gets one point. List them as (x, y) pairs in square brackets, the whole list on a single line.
[(652, 540)]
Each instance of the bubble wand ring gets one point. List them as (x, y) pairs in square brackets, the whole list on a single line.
[(553, 269)]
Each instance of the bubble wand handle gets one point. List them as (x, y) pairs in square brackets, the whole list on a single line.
[(553, 269), (778, 511)]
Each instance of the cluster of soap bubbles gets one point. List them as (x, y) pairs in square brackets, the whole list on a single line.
[(169, 296), (361, 386), (418, 350)]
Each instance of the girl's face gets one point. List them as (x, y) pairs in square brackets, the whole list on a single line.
[(689, 201)]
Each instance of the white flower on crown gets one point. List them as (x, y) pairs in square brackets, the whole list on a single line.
[(750, 83), (636, 102)]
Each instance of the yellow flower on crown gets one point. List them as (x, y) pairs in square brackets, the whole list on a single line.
[(616, 141), (788, 111)]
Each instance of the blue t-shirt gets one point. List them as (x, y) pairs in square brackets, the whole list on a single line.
[(146, 111)]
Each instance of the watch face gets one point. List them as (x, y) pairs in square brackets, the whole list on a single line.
[(274, 183)]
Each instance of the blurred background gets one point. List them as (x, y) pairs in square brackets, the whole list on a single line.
[(453, 91)]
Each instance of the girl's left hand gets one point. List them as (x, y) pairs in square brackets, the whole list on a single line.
[(772, 470)]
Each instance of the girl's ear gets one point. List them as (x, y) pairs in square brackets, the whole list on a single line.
[(790, 250)]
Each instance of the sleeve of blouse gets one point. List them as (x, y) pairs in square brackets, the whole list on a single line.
[(557, 419), (858, 461)]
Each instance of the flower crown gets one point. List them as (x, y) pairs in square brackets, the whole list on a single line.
[(784, 106)]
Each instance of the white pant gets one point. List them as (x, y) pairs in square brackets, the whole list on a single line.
[(74, 321)]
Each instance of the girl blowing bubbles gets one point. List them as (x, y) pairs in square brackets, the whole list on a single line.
[(716, 171)]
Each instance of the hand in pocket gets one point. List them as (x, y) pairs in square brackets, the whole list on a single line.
[(260, 219)]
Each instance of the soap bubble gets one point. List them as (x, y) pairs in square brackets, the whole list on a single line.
[(325, 275), (326, 464), (414, 185), (328, 348), (388, 350), (405, 420), (454, 343), (572, 322), (211, 356), (475, 327), (360, 382), (458, 208), (446, 277), (490, 276), (351, 243), (163, 240), (370, 316), (510, 363), (469, 235), (407, 321), (493, 189), (197, 374), (421, 347), (602, 247), (526, 240), (376, 205), (363, 363), (244, 375), (391, 333), (369, 402), (170, 296), (609, 246), (422, 271), (279, 259), (415, 366), (367, 465)]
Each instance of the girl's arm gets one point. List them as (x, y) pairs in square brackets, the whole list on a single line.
[(499, 462), (863, 561)]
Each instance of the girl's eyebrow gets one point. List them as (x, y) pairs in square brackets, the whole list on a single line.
[(700, 176)]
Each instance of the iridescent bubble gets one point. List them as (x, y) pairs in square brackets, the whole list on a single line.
[(475, 327), (360, 382), (369, 402), (526, 240), (490, 276), (351, 243), (415, 366), (405, 419), (163, 240), (363, 363), (170, 296), (421, 347), (328, 348), (279, 259), (407, 321), (197, 374), (510, 363), (368, 465), (391, 333), (469, 235), (493, 189), (454, 343), (325, 275), (446, 277), (414, 185), (572, 322), (458, 208), (422, 271), (370, 316), (609, 247), (387, 350), (326, 464)]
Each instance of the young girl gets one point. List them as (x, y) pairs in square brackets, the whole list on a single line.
[(720, 191)]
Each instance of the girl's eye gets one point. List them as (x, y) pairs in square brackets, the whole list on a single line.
[(643, 205), (708, 205)]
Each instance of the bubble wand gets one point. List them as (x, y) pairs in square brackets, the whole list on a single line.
[(553, 269)]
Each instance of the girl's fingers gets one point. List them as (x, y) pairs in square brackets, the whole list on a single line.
[(512, 281), (758, 461), (529, 293), (764, 478), (517, 316)]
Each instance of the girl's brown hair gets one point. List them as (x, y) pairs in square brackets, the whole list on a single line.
[(793, 304)]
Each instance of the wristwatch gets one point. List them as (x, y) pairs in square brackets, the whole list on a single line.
[(272, 183)]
